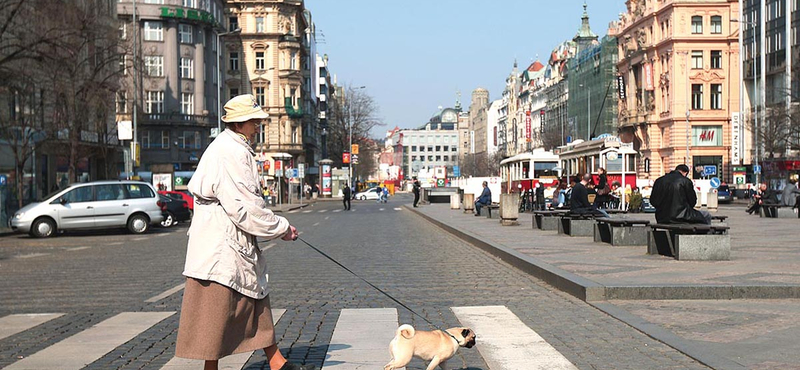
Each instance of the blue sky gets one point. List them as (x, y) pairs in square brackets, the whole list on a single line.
[(414, 55)]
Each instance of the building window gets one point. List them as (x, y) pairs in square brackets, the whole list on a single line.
[(189, 140), (421, 149), (716, 59), (233, 62), (293, 60), (261, 95), (145, 139), (122, 104), (232, 93), (153, 31), (187, 68), (165, 139), (446, 158), (697, 96), (123, 30), (154, 65), (185, 31), (697, 59), (716, 24), (123, 64), (413, 148), (716, 96), (154, 102), (153, 1), (187, 103), (233, 23), (190, 3), (295, 138), (260, 24), (697, 25), (260, 61)]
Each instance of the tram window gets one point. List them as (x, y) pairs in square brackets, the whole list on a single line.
[(615, 165), (631, 162), (544, 169)]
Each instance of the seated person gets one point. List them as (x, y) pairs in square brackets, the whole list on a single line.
[(579, 200), (484, 200), (674, 199), (768, 197)]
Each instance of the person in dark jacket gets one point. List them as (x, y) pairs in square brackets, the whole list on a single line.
[(346, 193), (539, 196), (674, 199), (484, 200), (790, 193), (416, 189), (579, 201), (602, 189), (768, 197)]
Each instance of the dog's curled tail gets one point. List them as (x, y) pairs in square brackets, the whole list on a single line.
[(406, 331)]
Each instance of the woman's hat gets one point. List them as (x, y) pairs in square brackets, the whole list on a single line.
[(243, 108)]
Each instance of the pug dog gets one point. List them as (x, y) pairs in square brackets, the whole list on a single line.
[(434, 346)]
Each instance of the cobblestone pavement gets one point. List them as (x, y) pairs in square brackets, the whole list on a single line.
[(93, 276)]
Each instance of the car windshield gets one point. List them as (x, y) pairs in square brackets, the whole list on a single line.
[(52, 194)]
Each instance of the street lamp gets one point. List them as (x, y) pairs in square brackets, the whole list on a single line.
[(219, 77), (350, 167), (756, 127)]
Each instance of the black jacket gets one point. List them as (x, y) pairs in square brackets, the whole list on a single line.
[(579, 200), (674, 198)]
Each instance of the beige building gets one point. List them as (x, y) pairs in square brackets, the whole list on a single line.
[(679, 59), (478, 110), (270, 58)]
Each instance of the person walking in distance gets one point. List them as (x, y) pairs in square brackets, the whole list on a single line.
[(484, 200), (226, 303), (416, 189), (346, 197), (674, 199)]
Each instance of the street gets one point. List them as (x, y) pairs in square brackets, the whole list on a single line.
[(89, 278)]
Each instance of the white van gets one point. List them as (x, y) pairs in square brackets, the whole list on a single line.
[(93, 205)]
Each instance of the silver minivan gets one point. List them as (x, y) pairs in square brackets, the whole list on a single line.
[(93, 205)]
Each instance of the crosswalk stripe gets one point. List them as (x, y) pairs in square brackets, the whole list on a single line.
[(91, 344), (361, 339), (13, 324), (166, 293), (232, 362), (506, 343), (323, 210), (308, 211), (398, 209), (381, 209)]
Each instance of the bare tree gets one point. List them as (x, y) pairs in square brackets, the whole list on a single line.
[(354, 107)]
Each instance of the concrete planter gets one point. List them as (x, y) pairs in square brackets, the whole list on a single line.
[(469, 202), (509, 209)]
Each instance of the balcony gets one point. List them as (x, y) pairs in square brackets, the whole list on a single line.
[(180, 119), (291, 111)]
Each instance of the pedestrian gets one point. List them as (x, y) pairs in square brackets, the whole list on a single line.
[(603, 189), (674, 199), (226, 304), (307, 191), (790, 192), (379, 191), (415, 189), (346, 197), (579, 200), (385, 194), (484, 199), (539, 196)]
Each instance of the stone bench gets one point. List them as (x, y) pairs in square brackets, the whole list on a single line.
[(776, 211), (620, 231), (690, 242), (489, 209), (547, 220), (577, 224), (720, 218)]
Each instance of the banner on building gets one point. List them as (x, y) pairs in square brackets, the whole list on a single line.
[(736, 156), (345, 157), (528, 126), (648, 77), (621, 87), (707, 136), (494, 129)]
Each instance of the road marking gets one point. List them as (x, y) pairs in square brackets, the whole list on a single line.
[(76, 249), (308, 211), (232, 362), (350, 349), (505, 342), (91, 344), (398, 209), (327, 217), (316, 224), (381, 209), (295, 211), (116, 243), (140, 238), (13, 324), (323, 210), (270, 245), (31, 255), (337, 210), (165, 294)]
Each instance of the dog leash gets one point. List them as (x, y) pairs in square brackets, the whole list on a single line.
[(378, 289)]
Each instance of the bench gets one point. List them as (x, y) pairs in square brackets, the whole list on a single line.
[(719, 218), (489, 209), (620, 231), (577, 224), (690, 242), (547, 220), (776, 211)]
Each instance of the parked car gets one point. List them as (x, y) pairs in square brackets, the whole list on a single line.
[(724, 194), (369, 194), (177, 210), (181, 195), (93, 205)]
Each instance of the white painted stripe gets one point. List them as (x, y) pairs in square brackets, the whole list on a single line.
[(31, 255), (308, 211), (295, 211), (13, 324), (140, 238), (316, 224), (232, 362), (119, 243), (352, 349), (270, 245), (323, 210), (91, 344), (506, 343), (398, 209), (381, 209), (337, 210), (327, 217), (165, 294), (76, 249)]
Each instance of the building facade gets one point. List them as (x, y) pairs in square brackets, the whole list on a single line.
[(175, 93), (593, 76), (434, 145), (679, 63), (478, 110)]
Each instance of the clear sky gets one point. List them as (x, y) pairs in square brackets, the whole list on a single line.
[(414, 55)]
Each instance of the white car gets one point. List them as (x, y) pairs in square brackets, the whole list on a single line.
[(369, 194), (93, 205)]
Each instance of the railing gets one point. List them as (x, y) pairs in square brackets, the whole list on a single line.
[(182, 118)]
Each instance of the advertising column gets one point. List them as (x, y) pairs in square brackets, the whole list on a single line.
[(326, 180)]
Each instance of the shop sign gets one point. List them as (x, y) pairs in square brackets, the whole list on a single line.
[(707, 136), (648, 77), (528, 126), (191, 14), (736, 156)]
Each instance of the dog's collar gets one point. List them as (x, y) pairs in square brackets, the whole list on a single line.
[(451, 336)]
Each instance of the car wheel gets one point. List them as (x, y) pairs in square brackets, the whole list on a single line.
[(138, 224), (169, 220), (43, 228), (363, 197)]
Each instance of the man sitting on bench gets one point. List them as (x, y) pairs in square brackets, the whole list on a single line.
[(674, 198), (484, 200), (579, 201)]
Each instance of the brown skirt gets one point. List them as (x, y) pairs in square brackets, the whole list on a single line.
[(217, 321)]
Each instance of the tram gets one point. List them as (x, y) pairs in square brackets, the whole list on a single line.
[(580, 157), (523, 171)]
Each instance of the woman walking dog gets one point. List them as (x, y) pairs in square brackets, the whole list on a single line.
[(226, 307)]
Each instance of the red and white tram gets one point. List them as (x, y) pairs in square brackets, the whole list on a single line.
[(528, 169), (619, 159)]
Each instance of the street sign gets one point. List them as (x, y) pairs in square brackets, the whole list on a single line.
[(354, 148), (569, 139), (756, 168), (125, 130), (3, 180), (456, 171), (354, 158), (715, 182), (709, 170), (301, 170), (440, 183), (345, 157)]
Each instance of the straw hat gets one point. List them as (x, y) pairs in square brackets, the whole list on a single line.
[(243, 108)]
